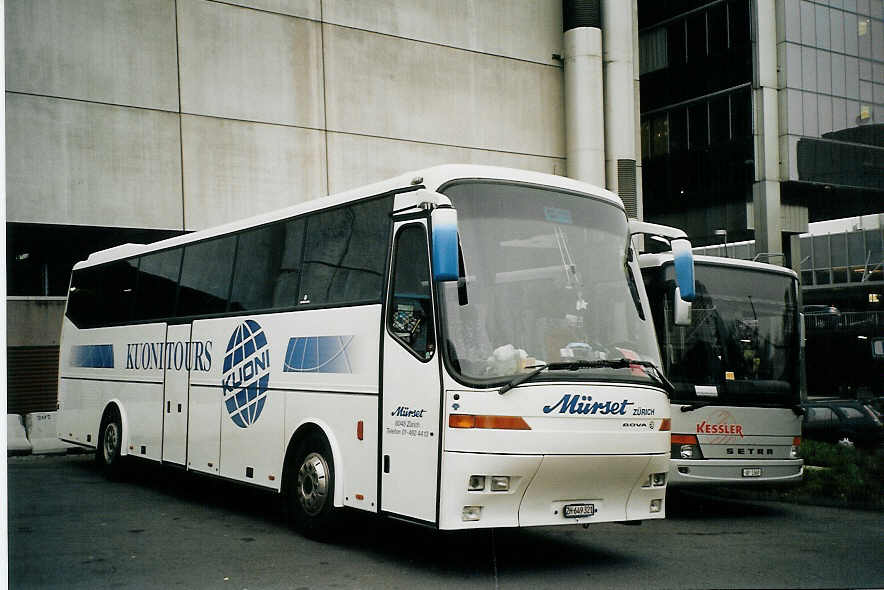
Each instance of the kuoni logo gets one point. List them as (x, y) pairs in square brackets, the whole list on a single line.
[(246, 373)]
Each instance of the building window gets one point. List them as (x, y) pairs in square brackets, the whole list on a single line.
[(653, 50)]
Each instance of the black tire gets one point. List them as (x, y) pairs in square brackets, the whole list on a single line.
[(310, 488), (108, 455)]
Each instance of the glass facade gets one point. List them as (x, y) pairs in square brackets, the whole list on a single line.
[(695, 62), (853, 255), (831, 81)]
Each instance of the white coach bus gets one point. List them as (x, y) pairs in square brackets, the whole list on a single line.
[(734, 359), (461, 347)]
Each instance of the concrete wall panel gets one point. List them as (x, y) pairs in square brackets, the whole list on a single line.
[(303, 8), (34, 321), (389, 87), (234, 169), (247, 64), (82, 163), (523, 29), (114, 51), (355, 160)]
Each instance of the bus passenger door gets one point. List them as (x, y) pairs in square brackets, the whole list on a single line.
[(410, 436), (175, 393)]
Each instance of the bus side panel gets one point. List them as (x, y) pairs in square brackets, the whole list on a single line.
[(122, 364), (261, 376), (355, 459)]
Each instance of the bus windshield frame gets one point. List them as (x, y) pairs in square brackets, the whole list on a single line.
[(743, 345), (548, 276)]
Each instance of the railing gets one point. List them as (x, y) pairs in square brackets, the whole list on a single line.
[(847, 320)]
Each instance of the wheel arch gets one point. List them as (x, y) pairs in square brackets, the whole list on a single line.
[(115, 405), (304, 429)]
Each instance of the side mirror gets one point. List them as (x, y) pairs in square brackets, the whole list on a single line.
[(682, 309), (444, 235), (683, 259)]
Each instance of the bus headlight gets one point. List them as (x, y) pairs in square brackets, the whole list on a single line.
[(500, 483), (471, 513), (685, 446), (656, 505), (796, 446), (477, 483), (655, 480)]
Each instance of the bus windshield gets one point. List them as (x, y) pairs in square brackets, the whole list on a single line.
[(742, 345), (547, 279)]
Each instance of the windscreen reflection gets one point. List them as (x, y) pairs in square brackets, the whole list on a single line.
[(547, 280)]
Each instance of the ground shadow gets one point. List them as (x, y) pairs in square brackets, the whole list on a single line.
[(714, 503), (449, 553)]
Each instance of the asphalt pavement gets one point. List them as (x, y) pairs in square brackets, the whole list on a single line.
[(162, 528)]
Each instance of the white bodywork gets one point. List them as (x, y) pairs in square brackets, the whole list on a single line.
[(173, 410), (740, 445)]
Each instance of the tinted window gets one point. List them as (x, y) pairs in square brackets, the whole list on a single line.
[(268, 267), (205, 277), (102, 295), (410, 313), (851, 413), (157, 284), (819, 415), (345, 254)]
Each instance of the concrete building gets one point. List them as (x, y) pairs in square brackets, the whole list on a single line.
[(134, 120), (759, 116)]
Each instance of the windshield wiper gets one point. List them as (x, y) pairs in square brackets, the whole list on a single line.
[(694, 406), (621, 363), (796, 409)]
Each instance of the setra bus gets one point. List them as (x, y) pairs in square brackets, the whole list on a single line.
[(733, 356), (461, 347)]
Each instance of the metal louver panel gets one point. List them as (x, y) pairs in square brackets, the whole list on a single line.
[(32, 384), (626, 186)]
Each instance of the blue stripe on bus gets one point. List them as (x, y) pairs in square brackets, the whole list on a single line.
[(318, 354), (93, 356)]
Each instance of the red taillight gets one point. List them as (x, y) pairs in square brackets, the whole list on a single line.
[(684, 439), (359, 430), (796, 442), (666, 424), (484, 421)]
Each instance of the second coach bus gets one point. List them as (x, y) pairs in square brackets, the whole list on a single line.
[(460, 347), (734, 361)]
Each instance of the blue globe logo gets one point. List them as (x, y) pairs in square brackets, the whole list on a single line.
[(246, 373)]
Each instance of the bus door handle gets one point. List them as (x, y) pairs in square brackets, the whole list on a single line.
[(168, 407), (386, 463)]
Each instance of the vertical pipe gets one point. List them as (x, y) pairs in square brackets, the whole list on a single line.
[(618, 29), (584, 95)]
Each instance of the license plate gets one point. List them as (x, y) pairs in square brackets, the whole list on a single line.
[(579, 510), (752, 472)]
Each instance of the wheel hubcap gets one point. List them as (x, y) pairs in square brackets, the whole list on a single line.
[(313, 484), (111, 439)]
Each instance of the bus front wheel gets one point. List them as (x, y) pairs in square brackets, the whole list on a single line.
[(311, 487), (110, 441)]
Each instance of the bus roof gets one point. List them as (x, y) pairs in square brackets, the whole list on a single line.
[(654, 260), (431, 178)]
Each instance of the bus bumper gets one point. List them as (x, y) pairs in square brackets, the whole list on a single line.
[(606, 488), (684, 472)]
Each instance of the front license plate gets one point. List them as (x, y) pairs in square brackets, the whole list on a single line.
[(579, 510), (752, 472)]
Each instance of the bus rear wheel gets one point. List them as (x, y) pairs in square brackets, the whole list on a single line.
[(108, 455), (310, 488)]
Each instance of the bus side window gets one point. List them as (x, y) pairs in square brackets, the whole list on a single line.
[(410, 312)]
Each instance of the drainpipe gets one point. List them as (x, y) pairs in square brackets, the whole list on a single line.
[(584, 96), (620, 82)]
